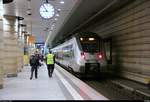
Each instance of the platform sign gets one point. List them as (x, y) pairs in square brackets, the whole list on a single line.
[(31, 39)]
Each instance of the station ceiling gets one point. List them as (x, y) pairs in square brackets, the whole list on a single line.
[(75, 15), (36, 25), (85, 15)]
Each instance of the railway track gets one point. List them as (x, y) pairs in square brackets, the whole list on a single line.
[(116, 88), (111, 89), (105, 87)]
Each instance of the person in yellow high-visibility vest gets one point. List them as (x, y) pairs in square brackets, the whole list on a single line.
[(50, 61)]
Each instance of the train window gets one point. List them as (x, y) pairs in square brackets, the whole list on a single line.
[(90, 44), (59, 54), (108, 49), (68, 52)]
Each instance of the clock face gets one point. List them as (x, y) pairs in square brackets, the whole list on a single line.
[(47, 11)]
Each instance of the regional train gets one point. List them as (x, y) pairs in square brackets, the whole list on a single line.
[(83, 54)]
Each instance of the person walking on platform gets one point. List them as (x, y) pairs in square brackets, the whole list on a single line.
[(34, 63), (50, 61)]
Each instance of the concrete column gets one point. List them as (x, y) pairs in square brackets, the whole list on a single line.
[(20, 46), (19, 57), (26, 48), (1, 45), (22, 55), (1, 57), (23, 31), (10, 28)]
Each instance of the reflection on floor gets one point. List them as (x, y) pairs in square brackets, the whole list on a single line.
[(22, 88)]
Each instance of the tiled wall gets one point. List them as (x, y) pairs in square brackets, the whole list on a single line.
[(1, 47), (129, 28)]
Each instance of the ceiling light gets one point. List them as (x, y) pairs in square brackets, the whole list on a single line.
[(52, 27), (57, 15), (59, 9), (62, 2), (29, 8), (55, 19), (29, 12)]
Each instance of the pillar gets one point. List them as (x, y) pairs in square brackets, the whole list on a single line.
[(1, 45), (19, 64), (20, 55), (23, 31), (10, 28), (26, 49), (20, 46)]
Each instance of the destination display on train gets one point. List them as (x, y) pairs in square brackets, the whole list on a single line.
[(87, 40)]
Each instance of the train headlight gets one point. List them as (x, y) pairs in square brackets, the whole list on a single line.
[(81, 39), (83, 55), (100, 56)]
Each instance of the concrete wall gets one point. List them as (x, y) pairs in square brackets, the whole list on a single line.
[(129, 28), (1, 48), (10, 46), (20, 56), (1, 56)]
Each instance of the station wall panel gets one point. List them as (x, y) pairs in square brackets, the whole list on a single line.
[(1, 59), (129, 28), (1, 45)]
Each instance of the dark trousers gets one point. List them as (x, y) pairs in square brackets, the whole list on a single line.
[(50, 68), (33, 69)]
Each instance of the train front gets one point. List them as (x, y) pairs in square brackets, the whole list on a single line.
[(92, 54)]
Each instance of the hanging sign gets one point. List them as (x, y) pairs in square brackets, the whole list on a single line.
[(31, 39)]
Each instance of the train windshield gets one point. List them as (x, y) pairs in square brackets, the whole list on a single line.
[(90, 44)]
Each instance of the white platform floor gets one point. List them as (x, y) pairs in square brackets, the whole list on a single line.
[(45, 88)]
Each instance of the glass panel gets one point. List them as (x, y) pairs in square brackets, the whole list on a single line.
[(89, 44)]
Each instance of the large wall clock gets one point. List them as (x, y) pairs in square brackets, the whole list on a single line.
[(47, 11)]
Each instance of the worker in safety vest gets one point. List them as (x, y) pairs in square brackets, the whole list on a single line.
[(50, 61)]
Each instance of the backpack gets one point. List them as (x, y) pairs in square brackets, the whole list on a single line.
[(33, 60)]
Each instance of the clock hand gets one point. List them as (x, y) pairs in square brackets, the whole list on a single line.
[(45, 8)]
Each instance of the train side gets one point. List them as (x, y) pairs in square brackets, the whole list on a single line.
[(77, 57)]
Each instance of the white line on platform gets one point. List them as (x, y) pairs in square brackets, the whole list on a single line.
[(71, 90)]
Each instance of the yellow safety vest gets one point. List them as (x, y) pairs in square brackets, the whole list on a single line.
[(50, 59)]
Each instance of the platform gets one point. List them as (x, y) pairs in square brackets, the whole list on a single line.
[(62, 86)]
